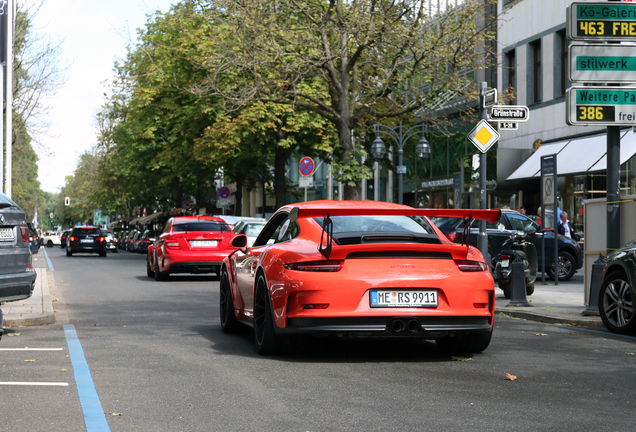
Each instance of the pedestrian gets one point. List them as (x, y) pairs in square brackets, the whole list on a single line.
[(522, 210), (565, 227), (539, 216)]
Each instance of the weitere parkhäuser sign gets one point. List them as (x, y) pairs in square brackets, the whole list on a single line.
[(601, 106), (601, 21)]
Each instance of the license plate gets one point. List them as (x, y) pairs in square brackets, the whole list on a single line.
[(6, 234), (204, 243), (505, 263), (86, 241), (404, 298)]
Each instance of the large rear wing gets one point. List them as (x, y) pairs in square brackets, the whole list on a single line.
[(326, 238), (488, 215)]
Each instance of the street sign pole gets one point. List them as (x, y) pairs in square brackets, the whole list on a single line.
[(483, 237)]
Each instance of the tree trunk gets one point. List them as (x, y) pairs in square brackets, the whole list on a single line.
[(344, 134), (238, 196)]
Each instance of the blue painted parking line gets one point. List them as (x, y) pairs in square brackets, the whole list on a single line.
[(94, 416), (48, 260)]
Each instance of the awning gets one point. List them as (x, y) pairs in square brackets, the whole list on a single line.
[(146, 219), (576, 156)]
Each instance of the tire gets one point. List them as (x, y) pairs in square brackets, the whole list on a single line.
[(507, 289), (149, 271), (115, 250), (102, 254), (616, 304), (49, 244), (567, 267), (229, 323), (158, 275), (530, 288), (267, 341), (69, 253)]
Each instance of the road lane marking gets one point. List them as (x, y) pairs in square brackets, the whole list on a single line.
[(94, 416), (48, 260), (31, 349), (18, 383)]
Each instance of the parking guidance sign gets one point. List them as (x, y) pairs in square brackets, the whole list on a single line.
[(602, 63), (601, 106), (608, 21)]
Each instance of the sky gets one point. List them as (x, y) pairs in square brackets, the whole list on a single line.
[(93, 35)]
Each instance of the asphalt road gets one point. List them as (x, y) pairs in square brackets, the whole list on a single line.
[(159, 362)]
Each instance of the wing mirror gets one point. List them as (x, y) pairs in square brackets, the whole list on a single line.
[(240, 241)]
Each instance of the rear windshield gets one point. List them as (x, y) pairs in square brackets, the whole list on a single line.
[(86, 231), (5, 201), (200, 226), (378, 224)]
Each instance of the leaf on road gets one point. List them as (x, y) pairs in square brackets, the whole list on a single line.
[(13, 334), (510, 377), (541, 334), (461, 358), (30, 361), (547, 308), (630, 353), (96, 325), (116, 414), (55, 299), (62, 370)]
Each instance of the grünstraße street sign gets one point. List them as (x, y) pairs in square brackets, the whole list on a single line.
[(509, 113)]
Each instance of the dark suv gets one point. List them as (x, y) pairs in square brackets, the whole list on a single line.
[(86, 239), (17, 276), (570, 253)]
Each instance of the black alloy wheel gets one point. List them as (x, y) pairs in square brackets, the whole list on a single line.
[(49, 244), (158, 275), (567, 267), (616, 304), (229, 323), (267, 341)]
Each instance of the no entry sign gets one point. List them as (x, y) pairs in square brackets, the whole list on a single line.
[(306, 166)]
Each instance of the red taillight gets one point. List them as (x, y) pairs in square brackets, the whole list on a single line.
[(451, 236), (71, 239), (316, 266), (471, 266), (102, 239), (505, 257), (24, 230), (172, 245)]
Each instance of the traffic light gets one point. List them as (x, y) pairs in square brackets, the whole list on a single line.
[(67, 201)]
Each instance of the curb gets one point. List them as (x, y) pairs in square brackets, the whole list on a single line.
[(592, 322), (46, 317)]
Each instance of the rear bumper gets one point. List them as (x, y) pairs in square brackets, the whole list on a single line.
[(87, 248), (385, 326), (17, 286), (195, 267)]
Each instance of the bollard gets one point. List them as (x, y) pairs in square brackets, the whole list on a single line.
[(595, 286), (518, 281)]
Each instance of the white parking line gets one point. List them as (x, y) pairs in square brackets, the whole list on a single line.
[(31, 349), (18, 383)]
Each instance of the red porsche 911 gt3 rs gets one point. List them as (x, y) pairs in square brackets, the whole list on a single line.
[(359, 268), (189, 244)]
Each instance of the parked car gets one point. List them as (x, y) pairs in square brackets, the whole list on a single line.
[(189, 244), (233, 220), (111, 240), (147, 238), (34, 239), (570, 252), (352, 268), (617, 294), (121, 239), (86, 239), (50, 238), (250, 228), (134, 245), (64, 238), (129, 239), (17, 276)]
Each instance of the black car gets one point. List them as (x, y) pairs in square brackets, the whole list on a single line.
[(616, 296), (570, 252), (86, 239), (64, 237), (147, 238), (17, 276)]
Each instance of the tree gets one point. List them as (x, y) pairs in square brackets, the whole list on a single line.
[(377, 59)]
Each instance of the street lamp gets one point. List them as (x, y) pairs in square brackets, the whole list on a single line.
[(400, 136), (378, 150), (423, 149)]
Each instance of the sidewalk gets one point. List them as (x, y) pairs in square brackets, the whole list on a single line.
[(560, 304), (36, 310)]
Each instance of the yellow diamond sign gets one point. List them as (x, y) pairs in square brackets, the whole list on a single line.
[(483, 136)]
